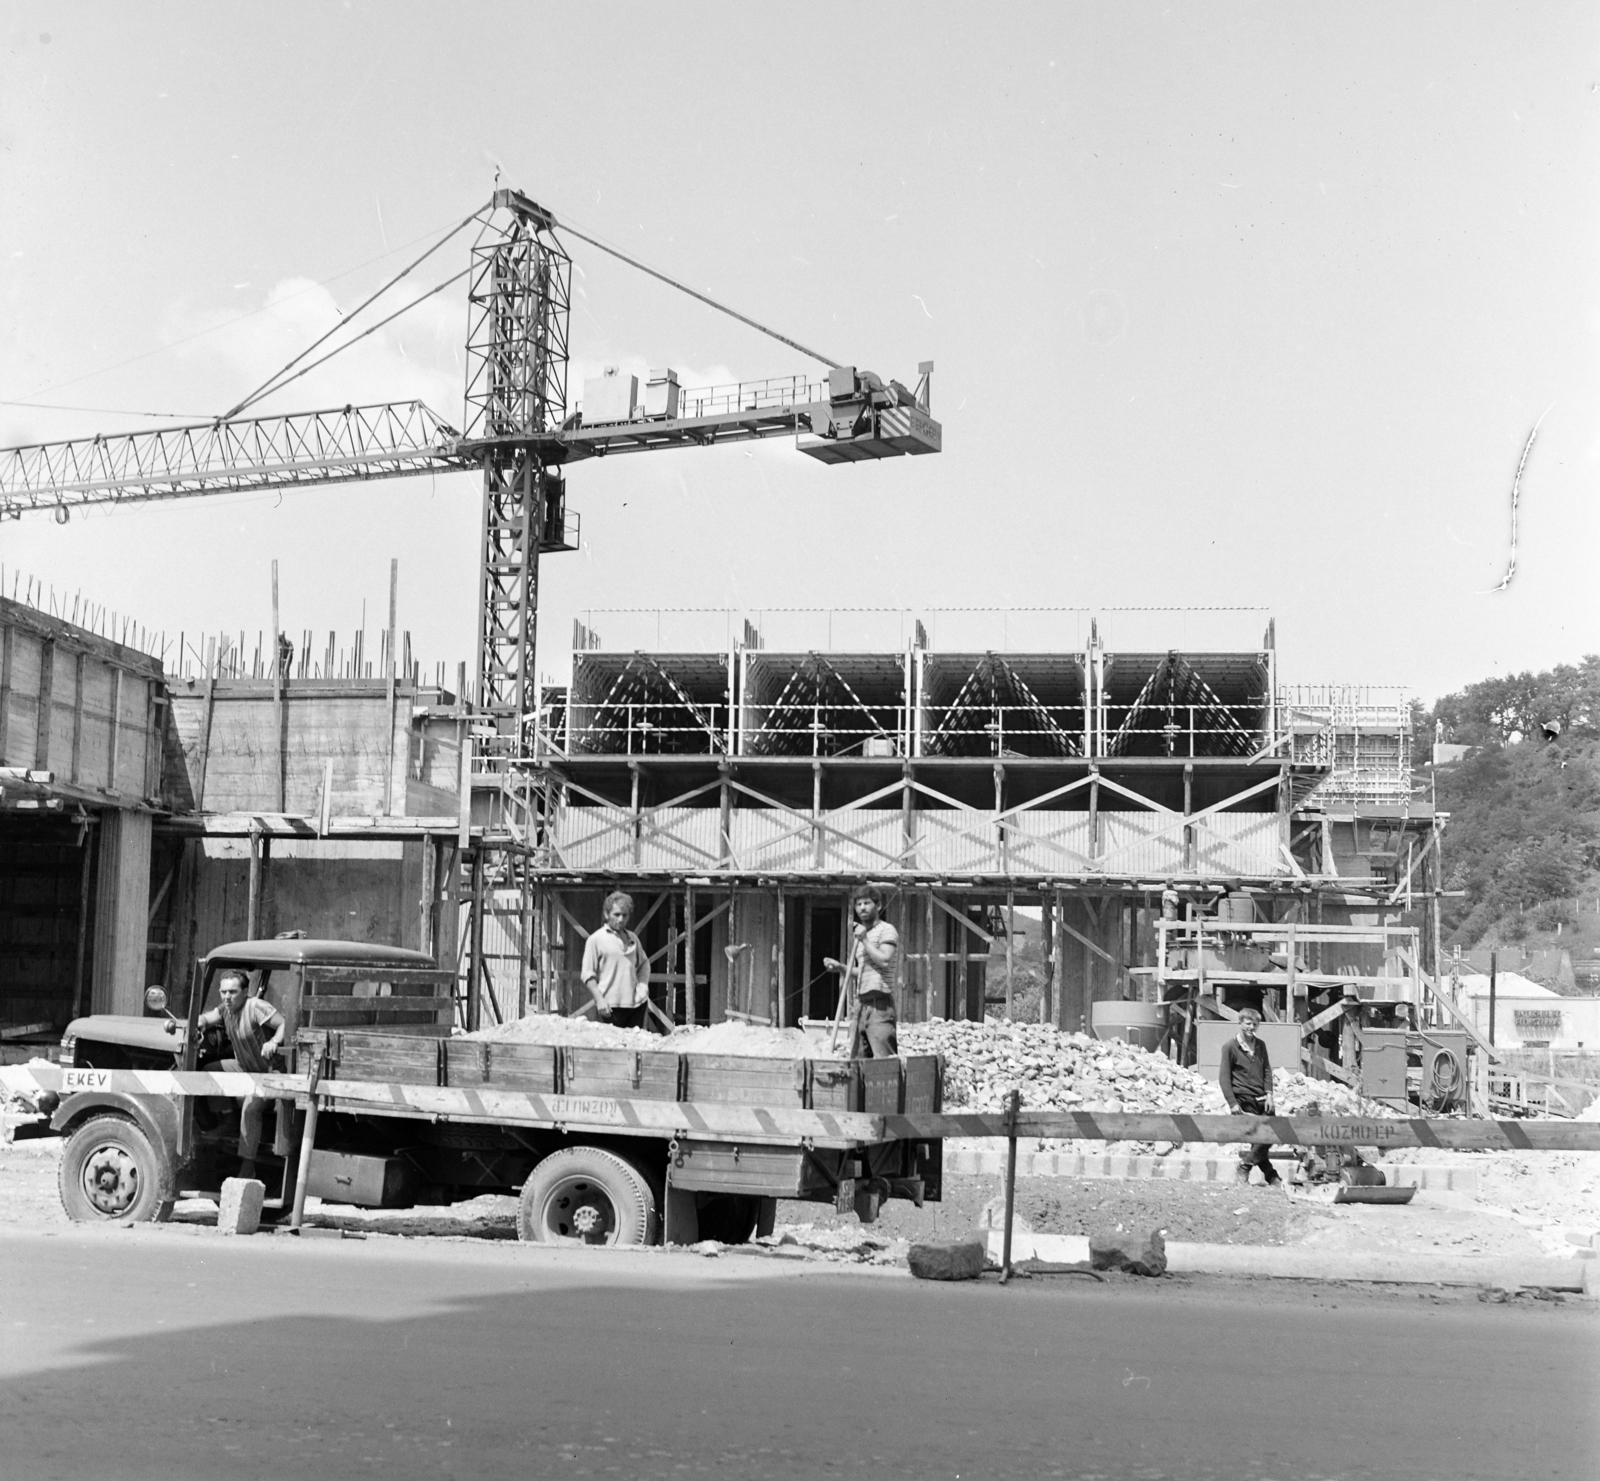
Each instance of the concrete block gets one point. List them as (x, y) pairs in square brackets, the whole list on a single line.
[(1137, 1254), (240, 1211), (1059, 1249), (961, 1259)]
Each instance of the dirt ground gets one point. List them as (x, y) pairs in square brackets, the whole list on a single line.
[(1538, 1203)]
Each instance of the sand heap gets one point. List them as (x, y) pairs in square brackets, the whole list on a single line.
[(731, 1037), (1073, 1072)]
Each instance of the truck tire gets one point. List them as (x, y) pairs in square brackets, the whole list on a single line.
[(110, 1173), (586, 1195)]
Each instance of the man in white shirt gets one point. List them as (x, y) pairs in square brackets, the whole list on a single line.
[(615, 968)]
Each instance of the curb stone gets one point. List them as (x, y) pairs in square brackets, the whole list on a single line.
[(984, 1162), (1554, 1272)]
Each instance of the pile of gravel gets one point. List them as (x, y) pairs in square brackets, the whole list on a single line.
[(1074, 1072)]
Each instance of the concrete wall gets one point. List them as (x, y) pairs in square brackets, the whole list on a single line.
[(240, 749), (79, 706), (343, 891)]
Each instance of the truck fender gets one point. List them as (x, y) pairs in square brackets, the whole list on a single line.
[(157, 1116)]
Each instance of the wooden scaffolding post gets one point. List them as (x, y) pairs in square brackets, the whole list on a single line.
[(252, 909), (427, 923), (725, 820), (804, 983), (779, 979), (1047, 944), (908, 823), (524, 938), (638, 822), (933, 956), (389, 675), (280, 743), (1188, 811), (688, 954), (1000, 859), (816, 813), (1011, 925), (79, 977), (1094, 817), (475, 964)]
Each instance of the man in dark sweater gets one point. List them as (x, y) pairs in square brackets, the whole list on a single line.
[(1246, 1079)]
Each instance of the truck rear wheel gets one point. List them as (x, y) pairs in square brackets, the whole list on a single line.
[(585, 1195), (110, 1172)]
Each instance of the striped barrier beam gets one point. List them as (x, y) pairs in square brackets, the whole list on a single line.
[(1457, 1134), (724, 1122), (31, 1079)]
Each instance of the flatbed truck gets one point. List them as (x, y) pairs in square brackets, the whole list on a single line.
[(599, 1145)]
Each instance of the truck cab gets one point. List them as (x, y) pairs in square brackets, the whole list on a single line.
[(128, 1154)]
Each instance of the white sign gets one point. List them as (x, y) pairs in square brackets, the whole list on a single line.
[(74, 1080)]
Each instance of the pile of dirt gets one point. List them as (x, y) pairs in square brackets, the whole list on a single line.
[(1056, 1071), (555, 1028), (753, 1039), (732, 1037)]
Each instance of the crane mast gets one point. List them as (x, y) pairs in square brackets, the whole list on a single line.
[(520, 301)]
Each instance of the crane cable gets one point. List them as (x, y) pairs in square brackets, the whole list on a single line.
[(721, 308), (277, 380)]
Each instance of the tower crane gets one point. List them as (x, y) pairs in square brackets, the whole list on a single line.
[(517, 430)]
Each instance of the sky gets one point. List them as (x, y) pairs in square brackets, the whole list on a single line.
[(1231, 306)]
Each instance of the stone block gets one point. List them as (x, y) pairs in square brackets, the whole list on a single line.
[(961, 1259), (240, 1212), (1115, 1249)]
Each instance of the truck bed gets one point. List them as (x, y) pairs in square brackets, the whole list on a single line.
[(909, 1085)]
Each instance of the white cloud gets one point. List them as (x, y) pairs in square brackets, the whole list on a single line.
[(416, 357)]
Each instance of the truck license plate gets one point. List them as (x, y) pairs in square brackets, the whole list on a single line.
[(74, 1080)]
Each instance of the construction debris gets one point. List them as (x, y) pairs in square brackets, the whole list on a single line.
[(1120, 1249), (723, 1038), (961, 1259), (1073, 1072)]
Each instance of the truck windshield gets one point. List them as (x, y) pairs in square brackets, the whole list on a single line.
[(261, 986)]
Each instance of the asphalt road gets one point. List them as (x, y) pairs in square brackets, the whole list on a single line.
[(174, 1353)]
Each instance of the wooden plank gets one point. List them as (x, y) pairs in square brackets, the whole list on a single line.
[(924, 1074), (745, 1080), (400, 1058), (644, 1074)]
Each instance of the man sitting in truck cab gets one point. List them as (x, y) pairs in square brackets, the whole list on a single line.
[(255, 1031)]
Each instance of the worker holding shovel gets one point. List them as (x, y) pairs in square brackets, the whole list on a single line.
[(873, 970)]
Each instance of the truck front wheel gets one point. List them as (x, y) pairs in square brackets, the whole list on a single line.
[(111, 1172), (585, 1195)]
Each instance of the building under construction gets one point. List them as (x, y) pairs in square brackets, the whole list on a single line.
[(1184, 826), (1187, 826)]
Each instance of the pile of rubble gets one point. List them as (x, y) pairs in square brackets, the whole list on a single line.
[(731, 1037), (1073, 1072)]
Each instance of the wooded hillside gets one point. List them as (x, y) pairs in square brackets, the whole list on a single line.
[(1524, 834)]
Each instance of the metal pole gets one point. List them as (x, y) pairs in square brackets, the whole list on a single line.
[(1013, 1106), (475, 938)]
